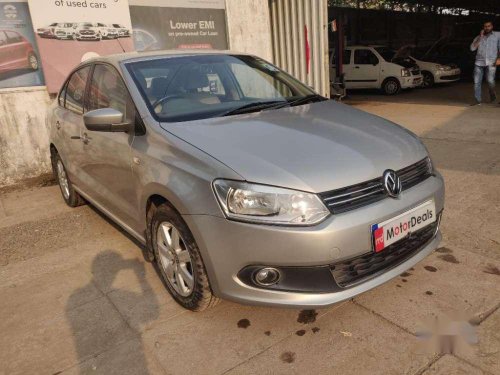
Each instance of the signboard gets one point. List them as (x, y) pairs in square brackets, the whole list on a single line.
[(69, 32), (178, 24), (19, 57)]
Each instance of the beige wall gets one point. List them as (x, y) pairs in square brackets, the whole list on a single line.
[(24, 142), (249, 27)]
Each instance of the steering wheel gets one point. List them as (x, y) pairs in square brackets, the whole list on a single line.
[(166, 99)]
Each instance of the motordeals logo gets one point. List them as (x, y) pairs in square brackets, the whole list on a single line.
[(388, 234)]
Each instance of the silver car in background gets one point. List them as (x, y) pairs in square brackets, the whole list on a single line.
[(242, 182)]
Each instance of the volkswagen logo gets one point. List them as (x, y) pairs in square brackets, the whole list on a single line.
[(392, 183)]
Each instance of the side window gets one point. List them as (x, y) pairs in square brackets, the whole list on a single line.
[(13, 37), (107, 90), (365, 57), (346, 59), (75, 90), (3, 38)]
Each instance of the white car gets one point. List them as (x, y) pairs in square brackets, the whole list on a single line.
[(365, 67), (88, 31), (434, 73), (123, 32), (65, 30), (107, 31)]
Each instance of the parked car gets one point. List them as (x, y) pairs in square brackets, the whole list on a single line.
[(123, 31), (16, 52), (107, 31), (65, 30), (47, 32), (365, 68), (88, 31), (242, 182)]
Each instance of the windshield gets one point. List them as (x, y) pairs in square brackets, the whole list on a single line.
[(195, 87)]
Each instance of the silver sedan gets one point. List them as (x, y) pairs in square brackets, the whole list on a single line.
[(242, 182)]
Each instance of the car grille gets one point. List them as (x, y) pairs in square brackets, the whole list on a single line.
[(450, 78), (353, 271), (359, 195), (87, 32)]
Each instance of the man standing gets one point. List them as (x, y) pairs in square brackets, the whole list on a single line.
[(487, 45)]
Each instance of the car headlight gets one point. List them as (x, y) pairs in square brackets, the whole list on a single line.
[(267, 204), (405, 72), (444, 67)]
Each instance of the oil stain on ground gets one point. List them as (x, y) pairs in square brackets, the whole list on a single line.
[(405, 274), (315, 329), (429, 293), (243, 323), (288, 357), (307, 316), (300, 332), (444, 250), (449, 258), (430, 268), (267, 333), (492, 270)]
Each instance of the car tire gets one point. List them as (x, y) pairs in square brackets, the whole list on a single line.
[(70, 196), (428, 80), (178, 259), (33, 61), (391, 86)]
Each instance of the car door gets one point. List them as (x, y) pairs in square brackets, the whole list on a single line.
[(4, 52), (68, 123), (107, 167), (365, 72), (18, 57)]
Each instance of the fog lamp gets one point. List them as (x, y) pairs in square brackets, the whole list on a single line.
[(267, 276)]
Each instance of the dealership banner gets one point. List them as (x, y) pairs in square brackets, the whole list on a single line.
[(69, 32), (19, 58), (178, 24)]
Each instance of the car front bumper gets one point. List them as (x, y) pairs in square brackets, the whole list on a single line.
[(411, 82), (227, 247), (447, 76)]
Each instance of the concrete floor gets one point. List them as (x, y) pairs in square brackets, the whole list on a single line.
[(77, 296)]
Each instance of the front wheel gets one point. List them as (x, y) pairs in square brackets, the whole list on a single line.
[(428, 80), (391, 86), (178, 259)]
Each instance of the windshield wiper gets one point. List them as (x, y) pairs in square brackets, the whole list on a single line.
[(307, 99), (255, 106)]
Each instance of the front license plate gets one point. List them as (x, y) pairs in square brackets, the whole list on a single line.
[(397, 228)]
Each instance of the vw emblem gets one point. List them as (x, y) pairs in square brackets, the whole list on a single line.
[(392, 183)]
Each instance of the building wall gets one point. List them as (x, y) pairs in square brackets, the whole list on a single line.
[(249, 27), (24, 150)]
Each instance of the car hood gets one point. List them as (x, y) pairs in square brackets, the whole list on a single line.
[(315, 147)]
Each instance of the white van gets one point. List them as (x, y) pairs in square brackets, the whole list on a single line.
[(364, 67)]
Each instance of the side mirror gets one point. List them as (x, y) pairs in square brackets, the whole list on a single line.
[(106, 120)]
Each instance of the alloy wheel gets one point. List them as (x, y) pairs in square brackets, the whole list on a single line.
[(175, 259), (63, 179), (391, 87)]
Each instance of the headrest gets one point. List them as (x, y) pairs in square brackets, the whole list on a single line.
[(158, 86)]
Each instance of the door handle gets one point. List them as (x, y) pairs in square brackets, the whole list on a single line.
[(58, 124)]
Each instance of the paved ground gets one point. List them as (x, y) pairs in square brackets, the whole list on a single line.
[(77, 296)]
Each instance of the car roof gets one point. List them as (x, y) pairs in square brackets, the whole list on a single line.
[(117, 59)]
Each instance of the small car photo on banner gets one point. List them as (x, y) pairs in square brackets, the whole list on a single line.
[(19, 58), (178, 24), (68, 32)]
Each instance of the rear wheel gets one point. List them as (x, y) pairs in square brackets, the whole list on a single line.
[(33, 61), (70, 196), (428, 80), (391, 86), (178, 259)]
